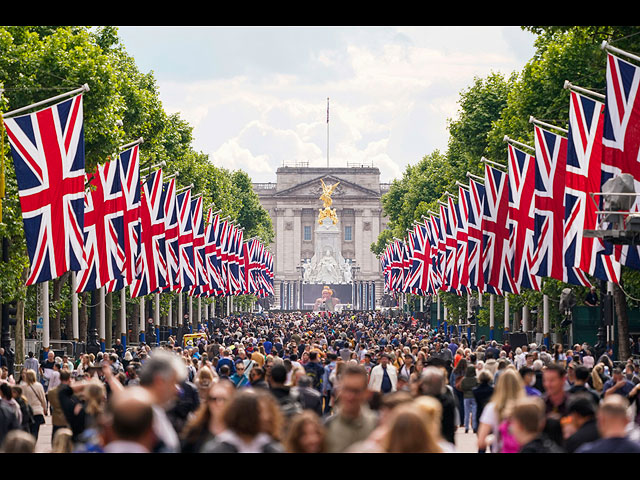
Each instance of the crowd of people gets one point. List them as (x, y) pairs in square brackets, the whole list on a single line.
[(300, 382)]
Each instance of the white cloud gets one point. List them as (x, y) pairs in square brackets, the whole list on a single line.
[(389, 100)]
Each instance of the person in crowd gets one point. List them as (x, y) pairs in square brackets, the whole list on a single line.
[(434, 384), (617, 385), (591, 299), (581, 385), (508, 390), (468, 383), (132, 421), (527, 419), (583, 427), (62, 441), (408, 432), (26, 412), (36, 398), (249, 422), (306, 434), (18, 441), (352, 420), (483, 392), (529, 379), (240, 378), (431, 410), (384, 376), (555, 398), (612, 419), (207, 422), (159, 376)]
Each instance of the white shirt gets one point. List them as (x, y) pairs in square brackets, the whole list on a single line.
[(124, 446), (164, 430)]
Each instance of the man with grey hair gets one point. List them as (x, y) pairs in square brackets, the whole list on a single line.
[(160, 376), (433, 384)]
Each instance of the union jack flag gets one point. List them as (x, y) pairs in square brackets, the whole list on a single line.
[(48, 155), (451, 235), (104, 239), (233, 263), (621, 137), (251, 265), (225, 240), (551, 167), (495, 228), (521, 176), (152, 262), (462, 238), (268, 273), (216, 284), (171, 235), (385, 265), (421, 261), (438, 252), (129, 170), (185, 241), (584, 172), (200, 284), (407, 262), (397, 266), (474, 235), (435, 279)]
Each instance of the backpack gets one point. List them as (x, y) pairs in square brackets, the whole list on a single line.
[(506, 442), (290, 405)]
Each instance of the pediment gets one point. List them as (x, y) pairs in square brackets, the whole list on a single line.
[(313, 188)]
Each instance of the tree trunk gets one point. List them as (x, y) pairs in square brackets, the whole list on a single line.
[(622, 318), (55, 321), (83, 318), (21, 354), (54, 325)]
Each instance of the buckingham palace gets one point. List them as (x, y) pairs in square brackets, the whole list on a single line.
[(322, 258)]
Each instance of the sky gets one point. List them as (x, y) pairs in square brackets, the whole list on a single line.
[(256, 97)]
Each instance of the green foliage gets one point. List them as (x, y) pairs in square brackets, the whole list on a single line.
[(39, 62), (493, 107)]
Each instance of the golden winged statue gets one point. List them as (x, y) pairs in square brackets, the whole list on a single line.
[(327, 191)]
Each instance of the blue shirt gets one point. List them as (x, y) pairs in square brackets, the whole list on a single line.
[(624, 391), (610, 445)]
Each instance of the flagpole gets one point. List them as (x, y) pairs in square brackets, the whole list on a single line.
[(607, 47), (327, 132), (132, 144), (570, 86), (84, 88), (516, 143), (548, 125), (499, 165)]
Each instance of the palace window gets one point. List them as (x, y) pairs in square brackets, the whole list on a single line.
[(307, 233), (347, 233)]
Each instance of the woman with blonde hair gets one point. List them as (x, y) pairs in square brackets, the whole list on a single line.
[(508, 389), (203, 381), (34, 392), (596, 377), (62, 442), (431, 410), (408, 432)]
